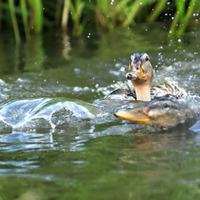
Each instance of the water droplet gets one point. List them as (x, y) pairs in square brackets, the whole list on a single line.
[(122, 69), (77, 70), (97, 85), (179, 40), (89, 34)]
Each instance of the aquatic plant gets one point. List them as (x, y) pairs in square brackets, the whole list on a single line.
[(76, 9), (33, 16), (182, 16), (14, 20)]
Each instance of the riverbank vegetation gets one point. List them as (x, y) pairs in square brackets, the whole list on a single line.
[(27, 17)]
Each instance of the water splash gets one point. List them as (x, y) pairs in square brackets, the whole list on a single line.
[(44, 113)]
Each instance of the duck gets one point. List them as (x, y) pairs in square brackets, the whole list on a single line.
[(141, 75), (163, 112)]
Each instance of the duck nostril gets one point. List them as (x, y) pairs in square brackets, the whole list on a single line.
[(129, 76)]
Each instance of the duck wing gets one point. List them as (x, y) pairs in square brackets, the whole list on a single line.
[(123, 94), (166, 90)]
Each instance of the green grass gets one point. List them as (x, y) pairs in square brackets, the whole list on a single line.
[(33, 16)]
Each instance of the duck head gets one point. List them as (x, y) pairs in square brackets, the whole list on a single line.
[(141, 75), (164, 112)]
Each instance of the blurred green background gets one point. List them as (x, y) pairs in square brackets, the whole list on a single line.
[(27, 17)]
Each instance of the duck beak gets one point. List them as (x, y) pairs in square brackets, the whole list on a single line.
[(135, 74), (131, 76), (135, 115)]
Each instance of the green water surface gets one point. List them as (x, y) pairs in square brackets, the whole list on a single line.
[(107, 160)]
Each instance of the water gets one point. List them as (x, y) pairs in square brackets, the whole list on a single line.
[(54, 144)]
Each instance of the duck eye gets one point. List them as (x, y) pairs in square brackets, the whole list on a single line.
[(147, 59), (166, 105)]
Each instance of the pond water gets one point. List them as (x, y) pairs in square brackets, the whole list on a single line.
[(45, 154)]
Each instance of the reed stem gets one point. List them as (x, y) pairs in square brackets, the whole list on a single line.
[(38, 15), (58, 11), (14, 21), (187, 17), (65, 15), (158, 9), (135, 8), (25, 18)]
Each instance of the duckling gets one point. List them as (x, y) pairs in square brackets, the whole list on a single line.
[(164, 112)]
